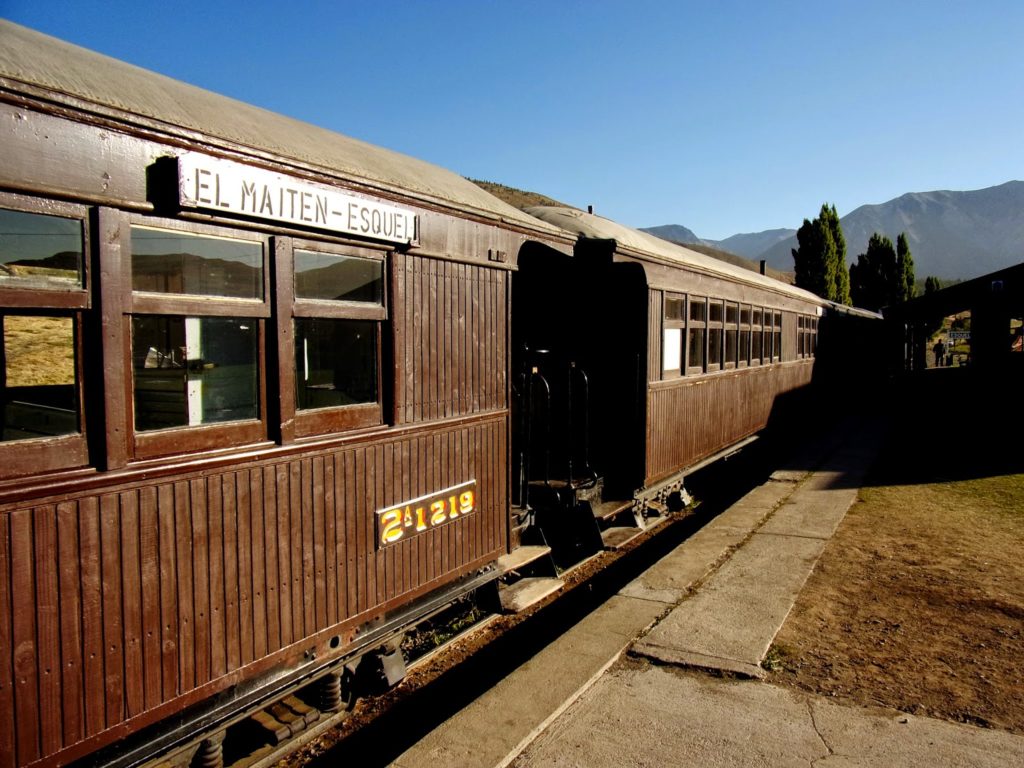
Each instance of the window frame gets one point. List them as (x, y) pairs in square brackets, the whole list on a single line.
[(742, 346), (719, 326), (58, 452), (674, 323), (732, 328), (777, 336), (147, 444), (314, 422), (696, 324)]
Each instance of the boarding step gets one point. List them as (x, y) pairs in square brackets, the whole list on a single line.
[(521, 557), (522, 594), (604, 510)]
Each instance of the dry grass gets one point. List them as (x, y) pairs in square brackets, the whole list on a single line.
[(918, 601), (40, 350)]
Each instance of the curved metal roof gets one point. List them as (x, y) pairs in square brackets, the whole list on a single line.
[(588, 225), (131, 93)]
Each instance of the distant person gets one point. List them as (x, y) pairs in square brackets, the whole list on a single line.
[(940, 353)]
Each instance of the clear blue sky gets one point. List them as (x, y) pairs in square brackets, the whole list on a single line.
[(722, 116)]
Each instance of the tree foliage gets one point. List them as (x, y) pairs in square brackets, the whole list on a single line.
[(884, 275), (904, 286), (820, 257), (931, 285)]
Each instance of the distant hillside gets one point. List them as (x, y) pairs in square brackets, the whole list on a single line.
[(521, 199), (952, 234), (739, 261), (753, 244), (677, 233), (517, 198)]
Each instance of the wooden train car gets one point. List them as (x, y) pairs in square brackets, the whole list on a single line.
[(640, 359), (254, 400)]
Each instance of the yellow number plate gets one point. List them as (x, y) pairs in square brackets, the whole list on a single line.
[(411, 518)]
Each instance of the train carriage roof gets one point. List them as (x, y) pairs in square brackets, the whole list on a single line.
[(136, 95), (647, 246)]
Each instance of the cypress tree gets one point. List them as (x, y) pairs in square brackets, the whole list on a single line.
[(873, 277), (904, 268), (820, 258)]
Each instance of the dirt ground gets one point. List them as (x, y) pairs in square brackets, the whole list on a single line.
[(918, 601)]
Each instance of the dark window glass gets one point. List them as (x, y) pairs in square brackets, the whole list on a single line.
[(745, 316), (731, 313), (335, 362), (757, 317), (166, 261), (696, 346), (673, 309), (714, 346), (744, 351), (39, 396), (715, 310), (730, 346), (40, 251), (194, 370), (777, 350), (755, 346), (698, 309), (338, 278)]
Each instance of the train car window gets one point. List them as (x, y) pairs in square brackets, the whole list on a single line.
[(198, 308), (756, 337), (716, 335), (777, 342), (743, 358), (731, 335), (696, 336), (190, 371), (166, 261), (43, 299), (672, 341), (38, 251), (338, 313)]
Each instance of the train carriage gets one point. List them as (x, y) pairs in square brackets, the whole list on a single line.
[(641, 359), (254, 401)]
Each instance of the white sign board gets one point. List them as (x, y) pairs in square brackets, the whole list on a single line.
[(212, 184)]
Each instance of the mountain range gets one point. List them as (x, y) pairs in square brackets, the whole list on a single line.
[(952, 235)]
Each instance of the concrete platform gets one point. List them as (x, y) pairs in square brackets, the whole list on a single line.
[(715, 602), (654, 716)]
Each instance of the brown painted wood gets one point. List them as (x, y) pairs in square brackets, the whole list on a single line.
[(132, 605), (113, 627), (273, 592), (44, 535), (7, 724), (244, 560), (23, 635), (259, 570), (149, 544), (202, 661), (69, 586)]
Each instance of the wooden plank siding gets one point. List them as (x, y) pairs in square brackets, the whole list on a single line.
[(691, 418), (452, 350), (159, 592)]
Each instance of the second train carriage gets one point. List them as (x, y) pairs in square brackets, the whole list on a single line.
[(636, 360)]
